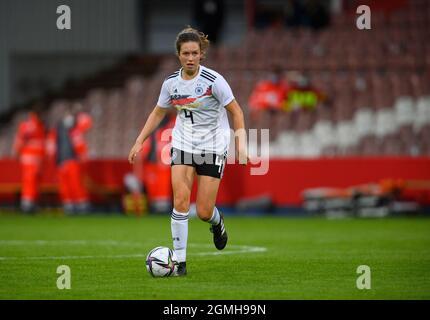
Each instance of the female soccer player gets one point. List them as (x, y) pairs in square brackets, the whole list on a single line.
[(200, 138)]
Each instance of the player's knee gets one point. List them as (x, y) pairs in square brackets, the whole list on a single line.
[(182, 207), (204, 211), (182, 202)]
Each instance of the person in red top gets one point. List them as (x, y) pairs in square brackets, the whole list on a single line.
[(29, 146), (68, 146), (269, 94), (83, 123), (156, 172), (267, 98)]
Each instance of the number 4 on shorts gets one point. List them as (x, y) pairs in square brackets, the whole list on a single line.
[(219, 161)]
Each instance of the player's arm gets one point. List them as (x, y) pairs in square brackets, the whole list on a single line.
[(239, 130), (151, 124)]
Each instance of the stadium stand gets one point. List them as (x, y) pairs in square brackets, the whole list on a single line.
[(378, 106), (377, 83)]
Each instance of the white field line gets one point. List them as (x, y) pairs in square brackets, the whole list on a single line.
[(232, 249), (69, 242)]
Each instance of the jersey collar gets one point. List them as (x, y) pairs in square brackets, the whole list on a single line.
[(193, 79)]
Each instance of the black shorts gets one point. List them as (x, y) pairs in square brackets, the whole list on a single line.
[(206, 164)]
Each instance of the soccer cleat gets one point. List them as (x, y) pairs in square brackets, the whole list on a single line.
[(181, 269), (220, 234)]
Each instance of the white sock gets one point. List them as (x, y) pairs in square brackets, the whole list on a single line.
[(179, 226), (216, 218)]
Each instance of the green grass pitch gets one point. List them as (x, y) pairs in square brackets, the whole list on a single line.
[(266, 258)]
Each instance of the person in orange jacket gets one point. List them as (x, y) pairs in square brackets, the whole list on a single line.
[(29, 146), (269, 94), (156, 167), (267, 97), (67, 144)]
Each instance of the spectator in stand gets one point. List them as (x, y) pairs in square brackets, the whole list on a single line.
[(287, 93), (268, 95), (301, 94), (29, 146)]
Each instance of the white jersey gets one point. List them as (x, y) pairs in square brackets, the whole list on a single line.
[(201, 122)]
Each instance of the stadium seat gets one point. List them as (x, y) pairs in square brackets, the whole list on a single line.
[(404, 111), (423, 113), (346, 135), (364, 122), (288, 143), (377, 83), (324, 133), (385, 122), (309, 146)]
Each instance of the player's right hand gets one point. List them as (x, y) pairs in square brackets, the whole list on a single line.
[(133, 152), (242, 156)]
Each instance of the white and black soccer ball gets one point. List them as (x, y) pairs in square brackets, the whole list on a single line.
[(161, 262)]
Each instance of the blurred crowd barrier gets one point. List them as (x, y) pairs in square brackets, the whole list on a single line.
[(284, 186)]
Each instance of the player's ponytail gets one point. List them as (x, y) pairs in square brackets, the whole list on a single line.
[(191, 34)]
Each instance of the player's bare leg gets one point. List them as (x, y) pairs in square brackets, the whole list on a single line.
[(182, 182), (207, 190)]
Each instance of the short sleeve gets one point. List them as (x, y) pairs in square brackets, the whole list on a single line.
[(164, 98), (222, 91)]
